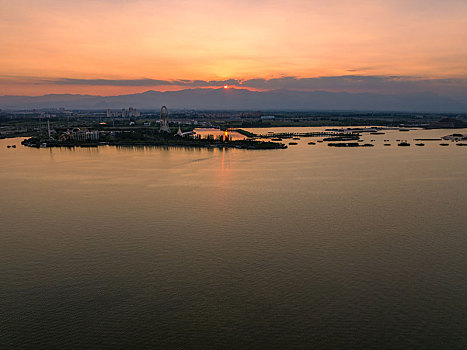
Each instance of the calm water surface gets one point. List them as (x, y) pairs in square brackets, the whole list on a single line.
[(307, 247)]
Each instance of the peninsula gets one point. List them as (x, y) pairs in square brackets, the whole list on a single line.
[(141, 136)]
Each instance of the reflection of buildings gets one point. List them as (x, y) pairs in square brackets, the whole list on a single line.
[(124, 113)]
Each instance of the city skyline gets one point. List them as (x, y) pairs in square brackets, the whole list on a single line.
[(120, 47)]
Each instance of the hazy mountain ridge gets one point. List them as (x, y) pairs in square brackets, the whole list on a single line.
[(243, 99)]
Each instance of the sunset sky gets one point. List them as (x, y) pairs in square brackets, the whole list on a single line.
[(113, 47)]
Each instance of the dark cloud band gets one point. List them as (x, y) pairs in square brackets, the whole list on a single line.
[(349, 83)]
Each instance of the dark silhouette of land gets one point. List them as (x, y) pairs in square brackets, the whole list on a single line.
[(243, 99)]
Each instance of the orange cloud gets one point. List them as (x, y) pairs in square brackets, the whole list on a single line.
[(219, 40)]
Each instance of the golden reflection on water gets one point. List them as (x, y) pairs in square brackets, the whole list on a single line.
[(307, 245)]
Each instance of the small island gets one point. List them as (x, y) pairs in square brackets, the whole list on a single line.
[(145, 137), (349, 144)]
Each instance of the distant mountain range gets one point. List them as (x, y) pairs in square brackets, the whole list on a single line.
[(243, 99)]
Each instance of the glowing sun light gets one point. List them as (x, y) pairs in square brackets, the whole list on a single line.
[(226, 86)]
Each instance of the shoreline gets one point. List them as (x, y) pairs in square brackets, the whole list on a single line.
[(241, 144)]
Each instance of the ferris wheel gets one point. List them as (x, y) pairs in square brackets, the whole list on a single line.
[(164, 119)]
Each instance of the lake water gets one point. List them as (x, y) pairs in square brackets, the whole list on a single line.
[(306, 247)]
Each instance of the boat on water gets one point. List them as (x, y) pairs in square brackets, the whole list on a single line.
[(444, 144), (404, 144), (419, 144), (293, 143), (387, 144), (296, 138)]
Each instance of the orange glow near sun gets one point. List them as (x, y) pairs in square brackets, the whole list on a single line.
[(226, 86)]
